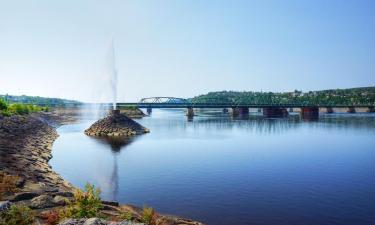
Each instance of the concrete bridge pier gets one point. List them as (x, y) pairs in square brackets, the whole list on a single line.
[(310, 113), (275, 112), (240, 111), (351, 109), (190, 112), (371, 109), (329, 110), (149, 111)]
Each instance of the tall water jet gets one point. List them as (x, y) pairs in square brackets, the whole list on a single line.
[(111, 71), (114, 124)]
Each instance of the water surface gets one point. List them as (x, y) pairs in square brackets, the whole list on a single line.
[(221, 170)]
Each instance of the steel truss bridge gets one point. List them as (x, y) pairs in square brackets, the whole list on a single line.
[(172, 102)]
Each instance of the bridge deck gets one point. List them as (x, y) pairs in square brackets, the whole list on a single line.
[(228, 105)]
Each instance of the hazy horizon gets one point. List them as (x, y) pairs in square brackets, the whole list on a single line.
[(185, 48)]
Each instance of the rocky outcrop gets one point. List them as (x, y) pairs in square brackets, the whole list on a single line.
[(116, 124), (133, 113), (25, 149), (96, 221)]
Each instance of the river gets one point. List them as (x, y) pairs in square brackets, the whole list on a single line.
[(221, 170)]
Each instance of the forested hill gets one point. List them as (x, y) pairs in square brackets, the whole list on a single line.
[(36, 100), (351, 96)]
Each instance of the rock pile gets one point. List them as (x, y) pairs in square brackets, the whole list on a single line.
[(116, 124)]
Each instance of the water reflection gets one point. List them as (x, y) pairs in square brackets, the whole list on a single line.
[(116, 144), (224, 170)]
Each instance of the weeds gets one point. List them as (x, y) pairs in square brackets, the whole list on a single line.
[(86, 204), (18, 215), (148, 216)]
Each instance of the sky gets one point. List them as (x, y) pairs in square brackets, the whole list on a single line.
[(184, 48)]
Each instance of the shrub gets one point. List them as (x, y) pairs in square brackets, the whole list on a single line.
[(6, 113), (126, 215), (20, 109), (86, 204), (8, 184), (148, 216), (18, 215), (3, 104), (51, 217)]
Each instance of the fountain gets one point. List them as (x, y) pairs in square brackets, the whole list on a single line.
[(115, 123)]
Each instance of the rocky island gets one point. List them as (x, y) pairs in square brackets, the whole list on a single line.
[(116, 124)]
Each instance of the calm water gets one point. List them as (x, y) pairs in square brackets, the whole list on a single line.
[(224, 171)]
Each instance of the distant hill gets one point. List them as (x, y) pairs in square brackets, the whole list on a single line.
[(350, 96), (36, 100)]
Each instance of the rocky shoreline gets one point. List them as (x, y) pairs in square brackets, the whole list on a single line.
[(25, 149)]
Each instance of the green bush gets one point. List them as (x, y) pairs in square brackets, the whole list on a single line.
[(148, 216), (86, 204), (20, 109), (3, 104), (126, 215), (17, 215)]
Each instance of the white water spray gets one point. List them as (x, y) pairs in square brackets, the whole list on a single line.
[(111, 71)]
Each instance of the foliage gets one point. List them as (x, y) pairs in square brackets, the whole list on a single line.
[(353, 96), (8, 184), (86, 204), (18, 215), (130, 107), (3, 104), (22, 109), (51, 217), (148, 216), (126, 215), (36, 100)]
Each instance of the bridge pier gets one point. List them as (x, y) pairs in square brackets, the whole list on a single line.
[(310, 113), (190, 112), (275, 112), (329, 110), (149, 111), (371, 109), (351, 109), (240, 111)]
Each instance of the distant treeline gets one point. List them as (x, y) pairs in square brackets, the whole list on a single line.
[(351, 96), (36, 100)]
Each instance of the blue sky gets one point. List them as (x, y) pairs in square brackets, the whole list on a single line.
[(184, 48)]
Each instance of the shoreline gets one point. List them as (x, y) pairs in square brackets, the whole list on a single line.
[(25, 150)]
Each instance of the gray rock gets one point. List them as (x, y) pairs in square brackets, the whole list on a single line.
[(4, 205), (72, 222), (60, 200), (41, 202), (64, 194), (94, 221), (24, 196)]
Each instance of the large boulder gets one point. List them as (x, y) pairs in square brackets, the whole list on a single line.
[(114, 125), (42, 202)]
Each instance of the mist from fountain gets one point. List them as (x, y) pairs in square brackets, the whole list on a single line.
[(104, 88), (111, 71)]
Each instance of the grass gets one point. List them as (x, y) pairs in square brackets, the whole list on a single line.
[(148, 216)]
